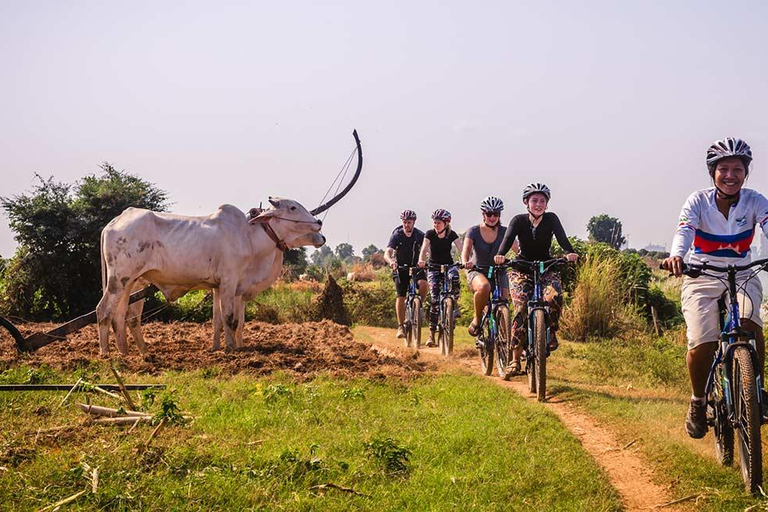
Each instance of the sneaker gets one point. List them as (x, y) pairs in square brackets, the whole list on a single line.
[(696, 421), (553, 343), (431, 339), (400, 332)]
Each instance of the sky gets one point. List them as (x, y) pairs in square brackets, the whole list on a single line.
[(611, 104)]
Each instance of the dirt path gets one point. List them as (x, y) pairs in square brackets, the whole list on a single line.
[(626, 470)]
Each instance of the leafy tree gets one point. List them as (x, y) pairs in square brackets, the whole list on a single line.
[(606, 229), (295, 262), (322, 255), (56, 271), (370, 251), (345, 252)]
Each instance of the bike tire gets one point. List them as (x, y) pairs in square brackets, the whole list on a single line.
[(503, 343), (416, 323), (722, 425), (487, 350), (540, 353), (747, 410), (450, 325), (408, 325)]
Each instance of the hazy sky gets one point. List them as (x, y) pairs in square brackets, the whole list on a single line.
[(612, 104)]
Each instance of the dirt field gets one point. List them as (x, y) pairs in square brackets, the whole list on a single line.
[(304, 350)]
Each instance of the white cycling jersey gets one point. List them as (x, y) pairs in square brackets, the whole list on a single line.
[(716, 239)]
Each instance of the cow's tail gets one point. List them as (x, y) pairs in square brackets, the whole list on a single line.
[(103, 263)]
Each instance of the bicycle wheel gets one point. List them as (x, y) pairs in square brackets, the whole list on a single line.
[(540, 354), (408, 326), (723, 428), (450, 324), (503, 342), (416, 322), (487, 349), (530, 360), (747, 411)]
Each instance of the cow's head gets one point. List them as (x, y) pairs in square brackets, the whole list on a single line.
[(292, 223)]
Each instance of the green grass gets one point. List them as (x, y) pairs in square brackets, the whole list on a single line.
[(640, 389), (450, 442)]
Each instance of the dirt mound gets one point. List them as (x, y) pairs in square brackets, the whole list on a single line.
[(305, 350)]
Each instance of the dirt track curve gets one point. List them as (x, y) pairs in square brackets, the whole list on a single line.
[(626, 470)]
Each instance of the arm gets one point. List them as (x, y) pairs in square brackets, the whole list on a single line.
[(466, 252), (457, 244), (761, 212), (509, 239), (686, 231), (423, 253), (389, 257), (562, 239)]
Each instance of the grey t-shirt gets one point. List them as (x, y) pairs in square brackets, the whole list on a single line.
[(483, 251)]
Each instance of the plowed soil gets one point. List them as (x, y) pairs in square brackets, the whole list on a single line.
[(304, 350)]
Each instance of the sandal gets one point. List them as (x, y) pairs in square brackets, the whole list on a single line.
[(513, 368), (473, 329), (553, 343)]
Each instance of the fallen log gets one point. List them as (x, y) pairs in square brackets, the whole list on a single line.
[(67, 387), (95, 410)]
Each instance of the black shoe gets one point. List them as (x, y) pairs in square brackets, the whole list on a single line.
[(765, 406), (696, 421)]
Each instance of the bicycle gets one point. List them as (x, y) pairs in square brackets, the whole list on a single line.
[(446, 323), (537, 350), (734, 387), (413, 317), (494, 326)]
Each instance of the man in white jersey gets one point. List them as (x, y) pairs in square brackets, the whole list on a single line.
[(720, 224)]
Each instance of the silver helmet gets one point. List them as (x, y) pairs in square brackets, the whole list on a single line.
[(408, 215), (728, 147), (536, 188), (491, 204)]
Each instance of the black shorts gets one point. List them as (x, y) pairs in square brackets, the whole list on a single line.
[(403, 279)]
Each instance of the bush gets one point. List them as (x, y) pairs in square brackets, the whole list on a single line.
[(371, 305), (600, 304)]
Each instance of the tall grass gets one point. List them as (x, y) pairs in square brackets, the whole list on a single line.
[(600, 305)]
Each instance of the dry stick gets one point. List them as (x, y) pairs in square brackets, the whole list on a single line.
[(630, 444), (134, 425), (330, 485), (122, 386), (157, 430), (680, 500), (62, 502), (70, 392), (122, 420)]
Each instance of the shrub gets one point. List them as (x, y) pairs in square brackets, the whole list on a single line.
[(599, 304), (387, 452)]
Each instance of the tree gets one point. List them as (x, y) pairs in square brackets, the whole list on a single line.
[(345, 252), (321, 256), (295, 262), (370, 251), (56, 271), (606, 229)]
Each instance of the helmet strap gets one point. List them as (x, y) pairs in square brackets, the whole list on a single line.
[(727, 197), (492, 227), (535, 217)]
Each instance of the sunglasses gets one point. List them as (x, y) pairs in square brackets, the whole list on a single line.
[(491, 214)]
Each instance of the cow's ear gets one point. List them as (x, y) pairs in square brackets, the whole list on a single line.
[(263, 216), (274, 201)]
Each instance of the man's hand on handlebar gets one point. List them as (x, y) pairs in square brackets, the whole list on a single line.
[(674, 264), (393, 265)]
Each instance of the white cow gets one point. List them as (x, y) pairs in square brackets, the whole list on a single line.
[(226, 252)]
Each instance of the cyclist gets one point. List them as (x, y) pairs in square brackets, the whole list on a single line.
[(720, 223), (534, 230), (437, 242), (403, 249), (481, 243)]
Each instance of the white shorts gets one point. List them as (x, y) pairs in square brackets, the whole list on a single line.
[(699, 297)]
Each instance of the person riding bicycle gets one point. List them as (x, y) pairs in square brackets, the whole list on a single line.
[(403, 248), (437, 242), (481, 243), (720, 224), (534, 231)]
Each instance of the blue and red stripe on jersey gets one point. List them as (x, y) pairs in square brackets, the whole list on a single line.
[(729, 246)]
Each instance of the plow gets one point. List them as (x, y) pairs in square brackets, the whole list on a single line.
[(40, 339)]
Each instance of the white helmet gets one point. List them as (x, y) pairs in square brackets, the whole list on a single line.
[(728, 147), (491, 204), (536, 188)]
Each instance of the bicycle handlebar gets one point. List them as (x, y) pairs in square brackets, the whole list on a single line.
[(527, 266), (695, 269)]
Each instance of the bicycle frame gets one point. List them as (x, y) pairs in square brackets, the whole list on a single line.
[(730, 338), (445, 291), (495, 300), (537, 269)]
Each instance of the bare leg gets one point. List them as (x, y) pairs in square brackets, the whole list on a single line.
[(400, 310), (482, 289), (699, 360), (240, 307)]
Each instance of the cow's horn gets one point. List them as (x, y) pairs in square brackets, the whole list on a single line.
[(341, 194)]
